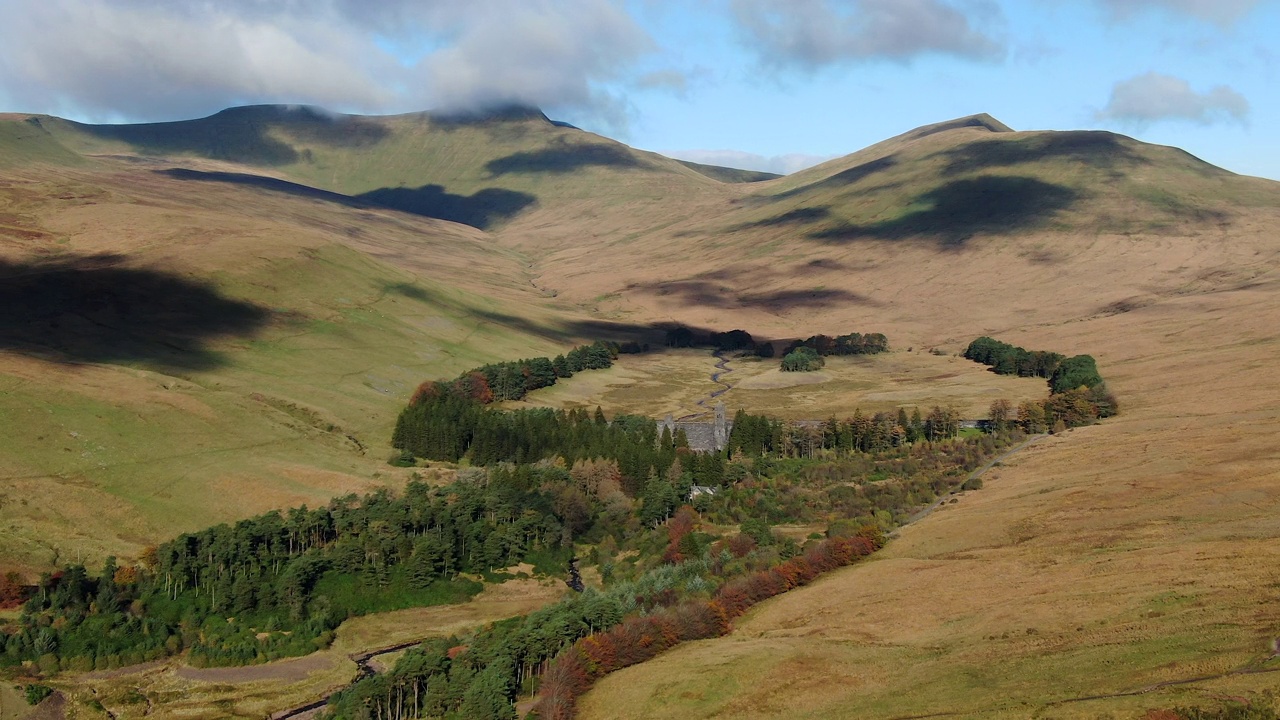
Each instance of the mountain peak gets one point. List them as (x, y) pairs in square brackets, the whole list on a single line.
[(980, 121)]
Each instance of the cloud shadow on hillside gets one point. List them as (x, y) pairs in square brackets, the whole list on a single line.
[(243, 134), (708, 293), (481, 210), (574, 331), (97, 309), (799, 216), (953, 213), (1094, 148), (563, 158)]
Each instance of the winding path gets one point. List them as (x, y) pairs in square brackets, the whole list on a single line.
[(722, 369)]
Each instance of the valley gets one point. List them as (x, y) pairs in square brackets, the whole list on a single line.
[(316, 269)]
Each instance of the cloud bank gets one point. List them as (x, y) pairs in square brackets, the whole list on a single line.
[(1154, 97), (809, 34), (156, 59), (1222, 12)]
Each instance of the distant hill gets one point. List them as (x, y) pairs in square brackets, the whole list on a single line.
[(479, 170), (730, 175)]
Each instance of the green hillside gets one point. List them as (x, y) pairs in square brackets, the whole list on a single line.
[(25, 140), (479, 171)]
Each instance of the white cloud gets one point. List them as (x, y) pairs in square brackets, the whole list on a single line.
[(780, 164), (813, 33), (160, 59), (534, 53), (1153, 97), (1222, 12)]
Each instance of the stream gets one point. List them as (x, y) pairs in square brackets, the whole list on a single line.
[(722, 369), (364, 669)]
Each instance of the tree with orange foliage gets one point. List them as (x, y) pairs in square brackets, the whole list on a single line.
[(12, 592), (126, 575)]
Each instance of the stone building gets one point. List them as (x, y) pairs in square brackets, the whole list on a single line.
[(703, 436)]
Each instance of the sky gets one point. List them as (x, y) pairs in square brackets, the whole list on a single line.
[(765, 84)]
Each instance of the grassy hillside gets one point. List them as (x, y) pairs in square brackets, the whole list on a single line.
[(24, 140), (1104, 561), (480, 171), (181, 353), (1101, 562), (966, 212)]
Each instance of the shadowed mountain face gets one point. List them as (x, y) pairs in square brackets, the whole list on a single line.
[(94, 309), (244, 135), (565, 157), (954, 212), (481, 210), (1092, 148)]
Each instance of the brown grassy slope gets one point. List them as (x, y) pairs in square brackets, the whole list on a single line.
[(1112, 558), (1058, 224)]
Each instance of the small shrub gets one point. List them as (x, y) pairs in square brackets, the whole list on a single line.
[(36, 693)]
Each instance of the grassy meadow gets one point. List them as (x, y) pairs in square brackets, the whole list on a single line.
[(672, 381), (110, 446)]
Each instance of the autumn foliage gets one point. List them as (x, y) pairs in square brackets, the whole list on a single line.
[(640, 638), (12, 592)]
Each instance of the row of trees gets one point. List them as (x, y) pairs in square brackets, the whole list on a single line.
[(642, 637), (1063, 373), (1078, 395), (513, 380), (1007, 359), (761, 435), (1072, 408), (851, 344), (731, 341), (449, 428)]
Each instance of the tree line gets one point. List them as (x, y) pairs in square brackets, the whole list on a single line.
[(851, 344), (1077, 393), (496, 382), (287, 580), (859, 433)]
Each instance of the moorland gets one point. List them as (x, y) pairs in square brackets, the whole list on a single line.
[(214, 319)]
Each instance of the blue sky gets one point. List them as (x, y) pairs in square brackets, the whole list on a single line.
[(771, 84)]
